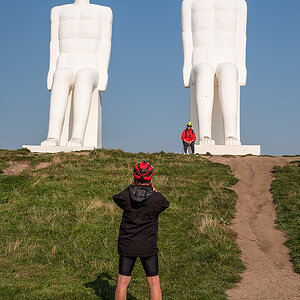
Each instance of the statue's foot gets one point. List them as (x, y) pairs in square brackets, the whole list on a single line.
[(74, 143), (207, 141), (50, 142), (231, 141)]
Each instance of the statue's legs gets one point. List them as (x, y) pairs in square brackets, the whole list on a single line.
[(227, 75), (62, 81), (203, 75), (86, 80)]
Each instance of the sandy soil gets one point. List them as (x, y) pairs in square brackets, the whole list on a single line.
[(269, 273)]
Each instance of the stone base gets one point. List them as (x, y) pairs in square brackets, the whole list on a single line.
[(227, 150), (40, 149)]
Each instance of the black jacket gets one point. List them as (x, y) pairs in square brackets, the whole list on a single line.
[(139, 227)]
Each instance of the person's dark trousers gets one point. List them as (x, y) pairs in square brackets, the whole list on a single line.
[(185, 146)]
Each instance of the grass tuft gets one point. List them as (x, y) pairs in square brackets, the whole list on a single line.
[(286, 193)]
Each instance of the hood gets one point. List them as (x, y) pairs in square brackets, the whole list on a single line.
[(140, 193)]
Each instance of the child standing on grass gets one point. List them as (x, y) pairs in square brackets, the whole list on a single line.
[(141, 205)]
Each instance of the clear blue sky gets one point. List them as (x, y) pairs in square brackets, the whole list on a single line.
[(146, 106)]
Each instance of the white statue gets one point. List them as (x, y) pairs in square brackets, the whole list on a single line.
[(79, 58), (214, 45)]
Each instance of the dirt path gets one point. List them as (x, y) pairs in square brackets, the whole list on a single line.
[(269, 273)]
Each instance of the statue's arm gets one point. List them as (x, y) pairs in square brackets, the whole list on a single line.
[(104, 50), (187, 41), (54, 45), (242, 42)]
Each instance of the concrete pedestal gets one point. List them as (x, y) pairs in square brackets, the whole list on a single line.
[(228, 150), (40, 149)]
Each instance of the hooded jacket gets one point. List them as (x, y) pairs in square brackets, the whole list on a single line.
[(139, 227)]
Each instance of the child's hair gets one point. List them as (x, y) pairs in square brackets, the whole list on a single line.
[(141, 181)]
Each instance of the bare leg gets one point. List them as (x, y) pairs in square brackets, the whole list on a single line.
[(227, 75), (121, 291), (155, 291), (86, 81), (203, 78), (63, 80)]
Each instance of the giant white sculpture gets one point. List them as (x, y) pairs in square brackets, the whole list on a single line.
[(214, 46), (79, 59)]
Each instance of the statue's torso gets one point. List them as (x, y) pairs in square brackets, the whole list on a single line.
[(214, 27), (80, 32)]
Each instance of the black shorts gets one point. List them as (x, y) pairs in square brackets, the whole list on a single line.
[(150, 265)]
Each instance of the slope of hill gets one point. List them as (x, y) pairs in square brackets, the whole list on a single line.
[(59, 226)]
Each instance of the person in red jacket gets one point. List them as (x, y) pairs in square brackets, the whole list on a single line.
[(188, 137), (141, 205)]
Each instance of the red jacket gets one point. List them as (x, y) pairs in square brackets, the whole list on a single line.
[(188, 135)]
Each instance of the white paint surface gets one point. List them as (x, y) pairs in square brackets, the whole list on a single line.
[(228, 150), (56, 149), (79, 59), (214, 48)]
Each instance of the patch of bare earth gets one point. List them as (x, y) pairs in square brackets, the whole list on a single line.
[(269, 273), (81, 153), (16, 168), (43, 165)]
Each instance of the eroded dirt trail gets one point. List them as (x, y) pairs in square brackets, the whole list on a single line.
[(269, 273)]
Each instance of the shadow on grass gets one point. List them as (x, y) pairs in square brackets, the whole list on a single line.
[(105, 286)]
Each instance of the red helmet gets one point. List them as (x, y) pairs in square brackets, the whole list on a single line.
[(143, 170)]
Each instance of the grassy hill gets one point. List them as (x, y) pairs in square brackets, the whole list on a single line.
[(59, 226)]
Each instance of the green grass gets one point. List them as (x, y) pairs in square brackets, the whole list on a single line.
[(286, 193), (59, 227)]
